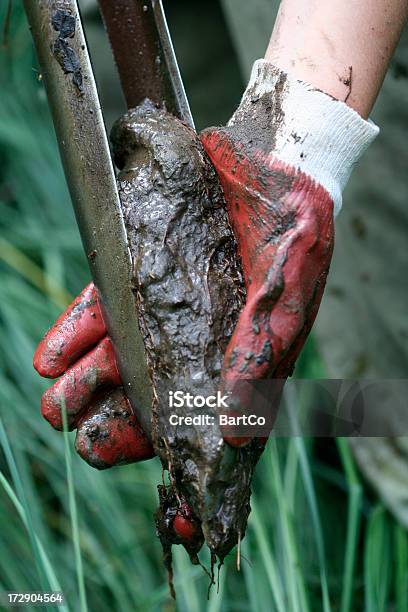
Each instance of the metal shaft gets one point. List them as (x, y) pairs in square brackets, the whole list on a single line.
[(144, 54), (73, 99)]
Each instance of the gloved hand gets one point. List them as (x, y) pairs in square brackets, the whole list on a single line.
[(78, 350), (283, 161)]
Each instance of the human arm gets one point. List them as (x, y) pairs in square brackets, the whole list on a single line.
[(342, 48)]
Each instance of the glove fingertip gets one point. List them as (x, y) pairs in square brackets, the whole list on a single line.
[(45, 364), (110, 435), (51, 409), (75, 332)]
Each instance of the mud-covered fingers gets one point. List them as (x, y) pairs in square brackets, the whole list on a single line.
[(263, 335), (252, 356), (272, 389), (265, 346), (289, 327), (77, 330), (286, 366), (109, 434), (78, 386), (257, 364)]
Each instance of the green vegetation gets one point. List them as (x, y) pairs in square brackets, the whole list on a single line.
[(317, 538)]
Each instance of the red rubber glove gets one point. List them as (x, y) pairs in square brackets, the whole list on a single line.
[(283, 161), (78, 350), (283, 223)]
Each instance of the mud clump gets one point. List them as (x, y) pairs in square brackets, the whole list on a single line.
[(189, 289), (64, 23), (172, 505)]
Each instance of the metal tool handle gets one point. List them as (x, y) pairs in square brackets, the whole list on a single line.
[(144, 55), (63, 56)]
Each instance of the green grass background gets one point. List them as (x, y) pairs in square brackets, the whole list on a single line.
[(317, 538)]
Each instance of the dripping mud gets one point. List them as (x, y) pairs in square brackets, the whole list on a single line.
[(189, 290)]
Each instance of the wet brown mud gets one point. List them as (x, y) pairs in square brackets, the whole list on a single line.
[(189, 287)]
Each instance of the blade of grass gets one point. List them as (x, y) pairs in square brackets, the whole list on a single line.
[(296, 592), (353, 523), (377, 561), (43, 574), (267, 556), (291, 474), (256, 603), (74, 514), (401, 568), (291, 399), (53, 582), (188, 588), (35, 275)]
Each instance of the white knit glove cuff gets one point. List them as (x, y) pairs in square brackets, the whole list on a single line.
[(321, 136)]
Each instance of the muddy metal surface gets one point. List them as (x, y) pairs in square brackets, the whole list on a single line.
[(189, 290)]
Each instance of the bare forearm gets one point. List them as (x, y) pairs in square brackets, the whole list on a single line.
[(342, 47)]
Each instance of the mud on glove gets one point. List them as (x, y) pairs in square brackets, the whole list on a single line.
[(283, 161)]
